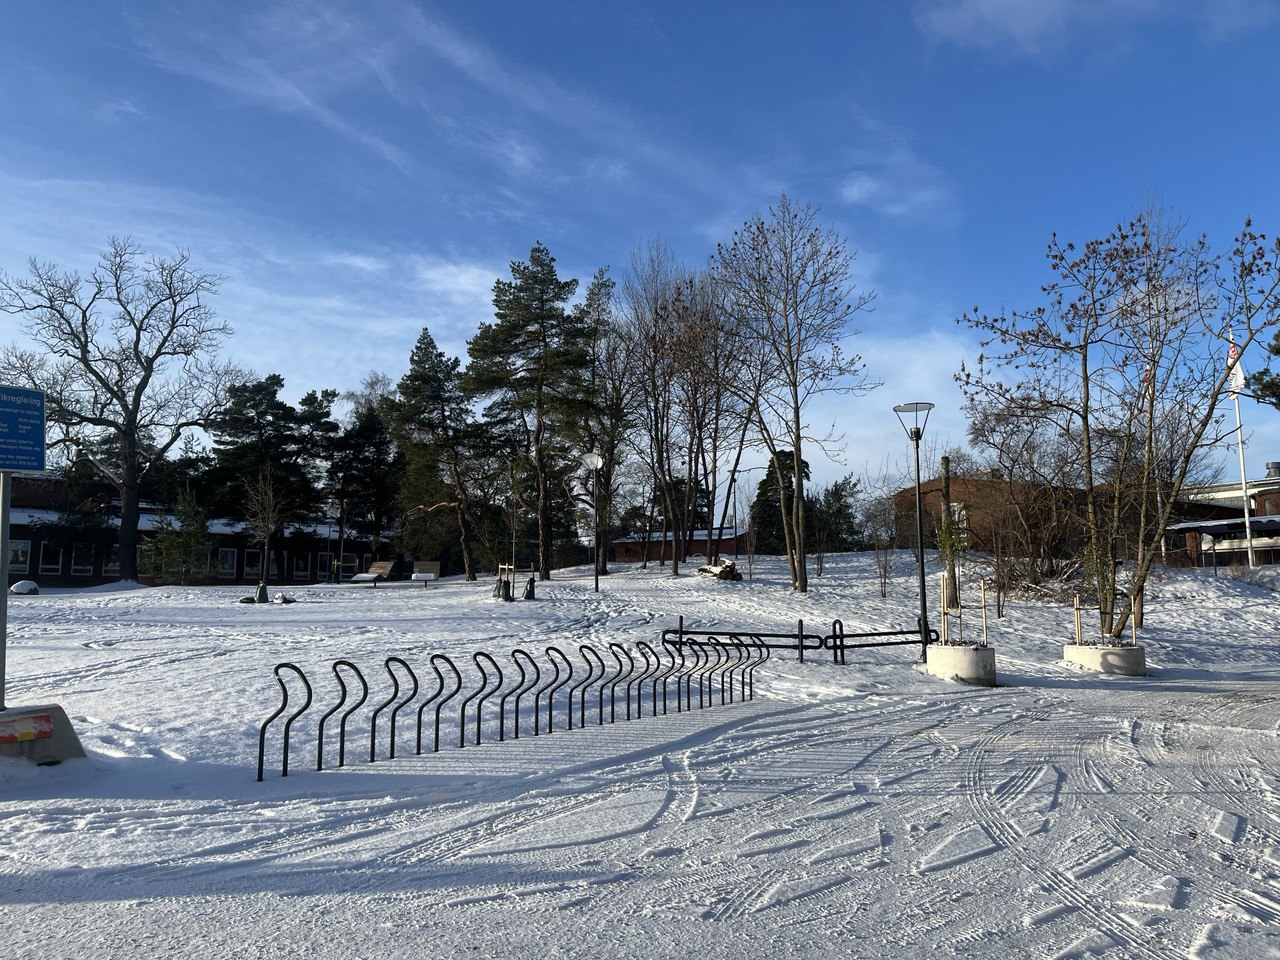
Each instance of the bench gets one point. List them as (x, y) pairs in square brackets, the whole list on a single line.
[(377, 571), (425, 571)]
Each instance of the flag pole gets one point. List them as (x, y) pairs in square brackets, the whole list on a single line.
[(1237, 383)]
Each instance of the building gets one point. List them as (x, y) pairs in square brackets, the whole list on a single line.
[(1222, 541), (306, 551), (1019, 519), (658, 546)]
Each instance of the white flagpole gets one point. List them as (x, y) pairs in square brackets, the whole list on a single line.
[(1236, 379)]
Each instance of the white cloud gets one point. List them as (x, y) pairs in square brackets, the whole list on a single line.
[(1033, 26), (889, 177)]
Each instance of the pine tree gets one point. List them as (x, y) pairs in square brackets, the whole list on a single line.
[(533, 364), (438, 434)]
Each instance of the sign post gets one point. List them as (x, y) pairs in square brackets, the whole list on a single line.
[(40, 733), (21, 448)]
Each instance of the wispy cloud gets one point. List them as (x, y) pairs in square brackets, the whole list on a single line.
[(888, 175), (1028, 27), (289, 299), (116, 110)]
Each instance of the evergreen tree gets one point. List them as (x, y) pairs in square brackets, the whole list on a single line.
[(533, 364), (180, 547), (768, 507), (435, 428), (261, 432)]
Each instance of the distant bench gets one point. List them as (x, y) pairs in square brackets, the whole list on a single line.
[(426, 571), (377, 571)]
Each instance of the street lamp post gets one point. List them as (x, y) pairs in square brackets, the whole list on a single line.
[(593, 461), (915, 431)]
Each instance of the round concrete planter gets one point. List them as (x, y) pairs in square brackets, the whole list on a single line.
[(1122, 661), (976, 665)]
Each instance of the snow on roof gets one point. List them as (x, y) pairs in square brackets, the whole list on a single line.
[(19, 517)]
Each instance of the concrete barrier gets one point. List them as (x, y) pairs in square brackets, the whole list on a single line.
[(976, 665), (1122, 661), (43, 734)]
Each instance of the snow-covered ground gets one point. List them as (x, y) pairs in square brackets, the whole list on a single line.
[(864, 810)]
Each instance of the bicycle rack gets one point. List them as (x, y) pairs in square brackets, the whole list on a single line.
[(342, 723), (554, 684), (693, 658), (284, 702), (518, 691), (482, 692), (581, 688), (457, 676), (395, 692), (615, 649)]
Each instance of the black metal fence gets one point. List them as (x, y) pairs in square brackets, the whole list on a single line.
[(527, 696), (836, 640)]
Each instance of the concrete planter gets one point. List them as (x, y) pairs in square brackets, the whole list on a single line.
[(1122, 661), (976, 665)]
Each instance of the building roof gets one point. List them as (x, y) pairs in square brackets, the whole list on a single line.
[(725, 534), (1219, 528)]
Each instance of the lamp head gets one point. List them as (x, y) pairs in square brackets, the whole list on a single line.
[(593, 461), (917, 414)]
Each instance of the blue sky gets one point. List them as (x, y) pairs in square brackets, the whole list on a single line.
[(358, 171)]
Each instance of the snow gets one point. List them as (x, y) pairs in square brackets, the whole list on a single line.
[(861, 810)]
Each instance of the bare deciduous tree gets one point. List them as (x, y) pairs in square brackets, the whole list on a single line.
[(128, 359), (788, 286), (1127, 360)]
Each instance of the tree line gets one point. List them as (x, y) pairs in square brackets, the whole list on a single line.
[(672, 375)]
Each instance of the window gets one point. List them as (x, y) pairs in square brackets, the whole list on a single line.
[(226, 563), (81, 562), (111, 565), (50, 559), (301, 566), (253, 563), (324, 564), (19, 556), (275, 567)]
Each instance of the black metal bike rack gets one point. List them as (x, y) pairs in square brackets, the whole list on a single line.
[(342, 723), (700, 659), (284, 702)]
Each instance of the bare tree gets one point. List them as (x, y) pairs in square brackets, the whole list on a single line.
[(263, 516), (128, 359), (788, 284), (1127, 359)]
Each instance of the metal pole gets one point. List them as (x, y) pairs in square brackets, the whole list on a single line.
[(1244, 483), (924, 609), (595, 522), (5, 481)]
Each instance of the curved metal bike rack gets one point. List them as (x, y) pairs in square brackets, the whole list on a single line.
[(552, 685), (702, 658), (652, 667), (615, 649), (525, 684), (395, 693), (457, 686), (677, 670), (582, 687), (284, 702), (342, 723), (482, 692)]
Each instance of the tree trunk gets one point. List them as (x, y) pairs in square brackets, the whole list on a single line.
[(129, 489), (800, 565)]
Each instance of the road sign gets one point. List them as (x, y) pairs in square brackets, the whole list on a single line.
[(21, 429)]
